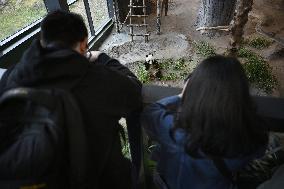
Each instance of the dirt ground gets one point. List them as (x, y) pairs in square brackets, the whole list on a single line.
[(270, 15), (178, 33)]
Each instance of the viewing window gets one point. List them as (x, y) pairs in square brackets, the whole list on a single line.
[(20, 19), (99, 12), (79, 8), (17, 14)]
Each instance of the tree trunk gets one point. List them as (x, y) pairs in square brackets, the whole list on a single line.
[(214, 13), (240, 20)]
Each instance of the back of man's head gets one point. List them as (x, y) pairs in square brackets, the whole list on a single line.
[(64, 28)]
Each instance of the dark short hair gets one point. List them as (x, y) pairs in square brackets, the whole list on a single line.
[(217, 110), (63, 27)]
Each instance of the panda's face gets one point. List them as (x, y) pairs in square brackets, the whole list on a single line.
[(149, 58)]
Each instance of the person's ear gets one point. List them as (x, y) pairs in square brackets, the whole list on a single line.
[(83, 46)]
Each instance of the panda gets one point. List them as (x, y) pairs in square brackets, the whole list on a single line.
[(151, 62), (153, 67)]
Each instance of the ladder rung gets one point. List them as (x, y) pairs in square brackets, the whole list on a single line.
[(138, 15), (146, 34), (134, 6), (137, 25)]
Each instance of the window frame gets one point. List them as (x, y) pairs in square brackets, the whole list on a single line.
[(89, 17), (72, 2), (25, 33)]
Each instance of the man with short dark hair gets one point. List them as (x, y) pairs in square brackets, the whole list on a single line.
[(104, 89)]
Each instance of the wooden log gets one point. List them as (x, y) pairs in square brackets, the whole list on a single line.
[(222, 28)]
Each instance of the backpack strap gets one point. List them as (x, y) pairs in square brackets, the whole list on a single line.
[(73, 122), (78, 152), (39, 96)]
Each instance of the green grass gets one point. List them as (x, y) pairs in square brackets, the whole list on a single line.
[(171, 69), (180, 64), (176, 69), (245, 53), (258, 70), (204, 48), (141, 72), (15, 17), (170, 77), (170, 63), (259, 42), (124, 139), (126, 148), (167, 63)]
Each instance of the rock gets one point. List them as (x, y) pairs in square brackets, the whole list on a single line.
[(277, 54)]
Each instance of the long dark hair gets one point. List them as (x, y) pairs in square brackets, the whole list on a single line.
[(217, 111)]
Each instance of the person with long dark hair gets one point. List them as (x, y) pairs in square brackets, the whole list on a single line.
[(213, 118)]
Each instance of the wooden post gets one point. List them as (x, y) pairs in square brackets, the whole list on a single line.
[(116, 16), (240, 20), (130, 19), (144, 19), (158, 24)]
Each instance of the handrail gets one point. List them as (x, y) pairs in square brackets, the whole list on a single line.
[(271, 109)]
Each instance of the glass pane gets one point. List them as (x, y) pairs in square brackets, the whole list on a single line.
[(79, 8), (99, 12), (70, 1), (17, 14)]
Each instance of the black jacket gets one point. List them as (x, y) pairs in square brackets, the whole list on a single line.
[(105, 91)]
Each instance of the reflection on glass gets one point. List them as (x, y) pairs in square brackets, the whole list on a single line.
[(99, 12), (17, 14), (79, 8), (70, 1)]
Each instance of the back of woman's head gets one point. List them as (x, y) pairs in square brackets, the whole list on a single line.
[(217, 110)]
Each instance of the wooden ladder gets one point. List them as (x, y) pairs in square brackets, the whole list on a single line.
[(144, 24)]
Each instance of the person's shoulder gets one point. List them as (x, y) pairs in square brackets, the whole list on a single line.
[(98, 69), (99, 74), (180, 136)]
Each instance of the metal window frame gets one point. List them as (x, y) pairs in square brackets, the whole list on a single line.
[(52, 5), (89, 17), (22, 33), (110, 8), (72, 2), (29, 31), (7, 45)]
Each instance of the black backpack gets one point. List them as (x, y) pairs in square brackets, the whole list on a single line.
[(42, 140)]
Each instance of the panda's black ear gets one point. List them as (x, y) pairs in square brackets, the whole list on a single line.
[(146, 55)]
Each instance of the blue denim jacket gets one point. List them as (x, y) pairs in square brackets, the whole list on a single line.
[(176, 167)]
